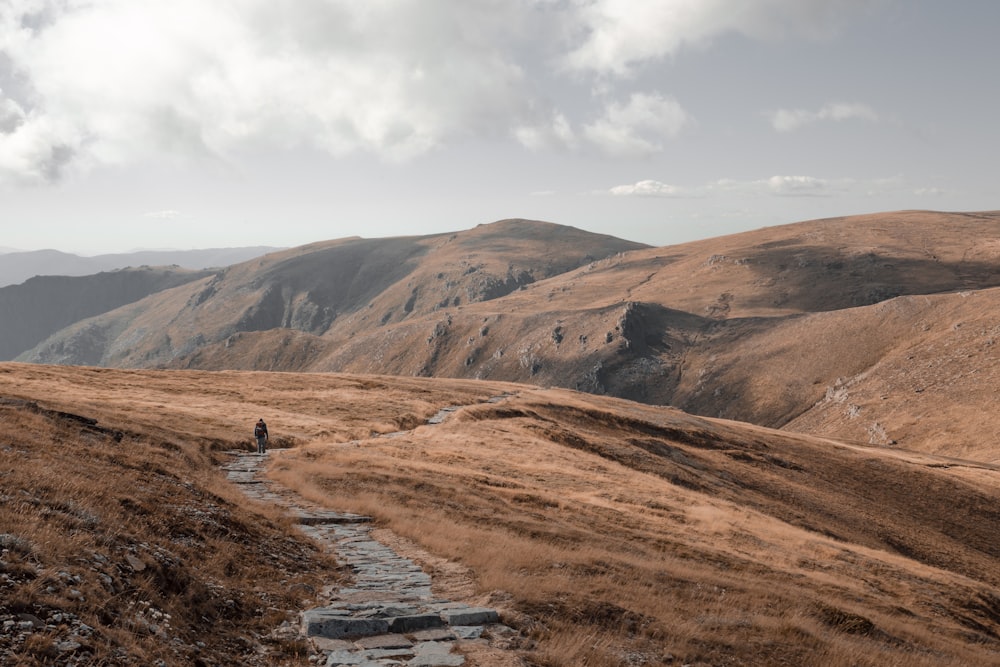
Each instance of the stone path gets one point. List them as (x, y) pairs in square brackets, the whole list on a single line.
[(388, 616)]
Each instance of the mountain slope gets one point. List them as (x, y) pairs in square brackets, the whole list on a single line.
[(18, 266), (761, 326), (336, 286), (43, 305)]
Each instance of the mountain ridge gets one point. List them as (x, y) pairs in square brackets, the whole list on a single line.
[(20, 265), (794, 326)]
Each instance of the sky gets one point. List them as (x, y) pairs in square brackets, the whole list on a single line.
[(181, 124)]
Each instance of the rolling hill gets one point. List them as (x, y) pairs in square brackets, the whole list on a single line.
[(876, 328), (607, 532), (338, 286)]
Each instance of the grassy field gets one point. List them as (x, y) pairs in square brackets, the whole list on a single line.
[(606, 532)]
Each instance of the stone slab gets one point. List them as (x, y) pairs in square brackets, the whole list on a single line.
[(442, 634), (415, 622), (392, 641), (436, 654), (470, 616), (328, 645), (334, 625), (468, 631)]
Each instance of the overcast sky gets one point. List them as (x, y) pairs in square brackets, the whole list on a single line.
[(130, 124)]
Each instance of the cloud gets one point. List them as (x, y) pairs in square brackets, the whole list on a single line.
[(775, 186), (555, 133), (113, 82), (637, 127), (621, 35), (787, 120), (798, 186), (169, 214), (650, 188)]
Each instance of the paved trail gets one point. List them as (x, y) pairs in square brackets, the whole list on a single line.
[(388, 616)]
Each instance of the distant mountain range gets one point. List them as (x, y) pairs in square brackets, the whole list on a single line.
[(877, 328), (17, 266)]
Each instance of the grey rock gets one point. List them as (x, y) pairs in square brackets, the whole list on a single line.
[(417, 622), (435, 635), (67, 646), (319, 622), (470, 616), (394, 641), (436, 654), (469, 631)]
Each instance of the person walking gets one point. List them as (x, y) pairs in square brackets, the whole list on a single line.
[(260, 432)]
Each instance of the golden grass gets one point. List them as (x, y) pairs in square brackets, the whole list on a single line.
[(137, 537), (609, 561), (608, 533)]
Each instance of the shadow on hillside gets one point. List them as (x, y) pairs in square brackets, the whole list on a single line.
[(338, 279), (813, 279), (43, 305)]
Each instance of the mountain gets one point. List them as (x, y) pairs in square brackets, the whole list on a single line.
[(18, 266), (43, 305), (322, 289), (878, 328)]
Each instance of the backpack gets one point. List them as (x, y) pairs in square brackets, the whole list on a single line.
[(259, 429)]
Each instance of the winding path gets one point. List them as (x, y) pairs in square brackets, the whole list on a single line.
[(388, 616)]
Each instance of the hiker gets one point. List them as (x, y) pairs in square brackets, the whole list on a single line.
[(260, 432)]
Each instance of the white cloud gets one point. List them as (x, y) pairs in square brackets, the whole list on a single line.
[(650, 188), (557, 133), (798, 186), (11, 115), (637, 127), (112, 81), (787, 120), (622, 34), (776, 186), (117, 81), (168, 214)]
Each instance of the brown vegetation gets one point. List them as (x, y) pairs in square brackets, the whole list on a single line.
[(608, 532), (121, 542), (878, 328), (618, 534)]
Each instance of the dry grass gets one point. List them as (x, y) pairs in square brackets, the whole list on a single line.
[(876, 328), (609, 533), (605, 552)]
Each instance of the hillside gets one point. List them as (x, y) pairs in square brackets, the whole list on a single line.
[(18, 266), (607, 532), (332, 288), (41, 306), (760, 327), (856, 327)]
